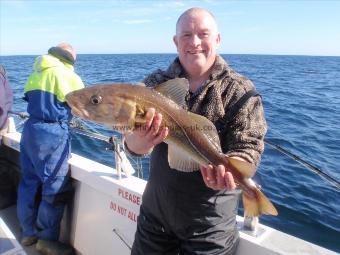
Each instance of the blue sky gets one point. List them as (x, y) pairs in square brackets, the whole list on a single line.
[(247, 27)]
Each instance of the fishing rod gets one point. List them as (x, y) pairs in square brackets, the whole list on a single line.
[(303, 162), (78, 127)]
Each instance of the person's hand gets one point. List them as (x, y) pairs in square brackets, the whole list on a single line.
[(217, 178), (145, 137)]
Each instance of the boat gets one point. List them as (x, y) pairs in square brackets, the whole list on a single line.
[(102, 217)]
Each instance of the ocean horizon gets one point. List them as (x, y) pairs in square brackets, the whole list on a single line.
[(175, 53)]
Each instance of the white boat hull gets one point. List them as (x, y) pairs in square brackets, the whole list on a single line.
[(102, 218)]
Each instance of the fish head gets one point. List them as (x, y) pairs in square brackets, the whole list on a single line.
[(110, 105)]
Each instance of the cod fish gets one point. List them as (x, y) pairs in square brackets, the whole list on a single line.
[(192, 139)]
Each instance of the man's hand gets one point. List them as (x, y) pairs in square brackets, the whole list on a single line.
[(218, 178), (145, 137)]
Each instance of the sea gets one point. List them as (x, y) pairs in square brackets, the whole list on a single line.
[(301, 97)]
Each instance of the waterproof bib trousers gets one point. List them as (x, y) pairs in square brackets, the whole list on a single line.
[(45, 149), (180, 215)]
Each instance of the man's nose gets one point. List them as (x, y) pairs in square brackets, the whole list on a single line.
[(195, 40)]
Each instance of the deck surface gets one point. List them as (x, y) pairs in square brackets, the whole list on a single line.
[(8, 215)]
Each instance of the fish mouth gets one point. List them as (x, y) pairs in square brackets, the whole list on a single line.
[(80, 113)]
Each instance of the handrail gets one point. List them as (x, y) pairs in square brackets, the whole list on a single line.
[(78, 127)]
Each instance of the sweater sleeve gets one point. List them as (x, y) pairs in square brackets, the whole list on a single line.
[(155, 78), (244, 135)]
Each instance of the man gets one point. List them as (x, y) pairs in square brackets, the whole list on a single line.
[(6, 98), (45, 149), (195, 213), (8, 176)]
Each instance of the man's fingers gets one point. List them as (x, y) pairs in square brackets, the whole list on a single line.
[(204, 172), (150, 113), (229, 181), (149, 116), (161, 136), (220, 172), (217, 178), (210, 175), (155, 125)]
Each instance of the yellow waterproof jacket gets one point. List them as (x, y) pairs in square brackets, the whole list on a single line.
[(47, 87)]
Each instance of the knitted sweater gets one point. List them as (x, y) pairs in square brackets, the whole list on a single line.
[(243, 135)]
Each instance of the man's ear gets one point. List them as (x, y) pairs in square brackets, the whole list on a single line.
[(218, 39), (174, 38)]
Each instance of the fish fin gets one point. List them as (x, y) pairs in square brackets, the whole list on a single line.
[(175, 89), (245, 168), (179, 160), (259, 204), (208, 129), (140, 84)]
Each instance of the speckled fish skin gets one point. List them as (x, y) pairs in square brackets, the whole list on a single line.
[(122, 106)]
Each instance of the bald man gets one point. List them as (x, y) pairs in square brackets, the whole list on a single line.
[(45, 149), (195, 212)]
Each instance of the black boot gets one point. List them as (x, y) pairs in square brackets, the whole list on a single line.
[(28, 240), (47, 247)]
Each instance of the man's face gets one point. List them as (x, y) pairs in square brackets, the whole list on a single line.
[(196, 40)]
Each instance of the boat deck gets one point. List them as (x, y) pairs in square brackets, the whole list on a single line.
[(10, 234)]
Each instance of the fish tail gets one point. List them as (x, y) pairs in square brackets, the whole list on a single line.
[(257, 204)]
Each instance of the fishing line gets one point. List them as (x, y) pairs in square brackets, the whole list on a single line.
[(80, 127), (303, 162)]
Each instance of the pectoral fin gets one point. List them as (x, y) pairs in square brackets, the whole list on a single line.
[(178, 159)]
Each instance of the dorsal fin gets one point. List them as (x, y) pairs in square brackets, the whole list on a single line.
[(208, 128), (175, 89)]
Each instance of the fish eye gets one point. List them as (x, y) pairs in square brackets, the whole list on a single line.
[(96, 99)]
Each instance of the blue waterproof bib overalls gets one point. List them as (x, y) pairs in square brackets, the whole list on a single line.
[(45, 147)]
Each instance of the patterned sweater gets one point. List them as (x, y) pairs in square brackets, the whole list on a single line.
[(243, 135)]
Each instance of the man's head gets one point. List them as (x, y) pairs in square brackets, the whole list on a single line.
[(197, 39), (65, 52), (68, 47)]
